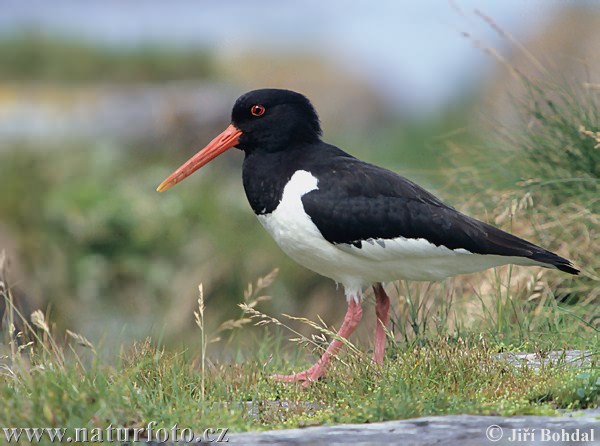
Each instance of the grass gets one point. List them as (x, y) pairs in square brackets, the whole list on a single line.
[(54, 381)]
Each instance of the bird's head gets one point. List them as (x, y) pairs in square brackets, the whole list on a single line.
[(267, 120)]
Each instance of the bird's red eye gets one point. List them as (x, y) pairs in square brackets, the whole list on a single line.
[(257, 110)]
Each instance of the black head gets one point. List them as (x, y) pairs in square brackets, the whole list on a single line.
[(268, 120), (271, 119)]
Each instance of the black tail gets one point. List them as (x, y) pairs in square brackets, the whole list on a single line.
[(503, 243), (552, 259)]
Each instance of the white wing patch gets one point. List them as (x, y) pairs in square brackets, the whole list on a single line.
[(390, 249)]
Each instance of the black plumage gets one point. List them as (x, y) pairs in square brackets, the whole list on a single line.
[(357, 201)]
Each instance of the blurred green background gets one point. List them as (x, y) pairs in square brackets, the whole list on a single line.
[(100, 102)]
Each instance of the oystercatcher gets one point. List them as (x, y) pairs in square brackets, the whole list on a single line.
[(359, 224)]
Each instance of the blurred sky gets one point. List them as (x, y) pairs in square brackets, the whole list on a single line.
[(409, 50)]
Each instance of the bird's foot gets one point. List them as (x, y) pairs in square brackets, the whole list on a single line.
[(306, 377), (351, 320)]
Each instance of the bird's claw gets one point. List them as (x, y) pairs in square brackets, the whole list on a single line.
[(306, 377)]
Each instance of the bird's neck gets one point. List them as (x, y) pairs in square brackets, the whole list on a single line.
[(265, 175)]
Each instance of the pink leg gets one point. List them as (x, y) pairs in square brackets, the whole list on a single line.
[(351, 320), (382, 310)]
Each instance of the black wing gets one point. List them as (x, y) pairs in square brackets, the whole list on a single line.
[(358, 201)]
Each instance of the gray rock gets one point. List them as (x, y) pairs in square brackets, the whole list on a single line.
[(580, 428), (570, 358)]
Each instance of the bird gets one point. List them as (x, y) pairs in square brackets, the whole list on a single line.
[(354, 222)]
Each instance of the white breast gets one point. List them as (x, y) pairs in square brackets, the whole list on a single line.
[(378, 260)]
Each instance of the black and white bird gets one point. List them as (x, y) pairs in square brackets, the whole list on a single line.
[(357, 223)]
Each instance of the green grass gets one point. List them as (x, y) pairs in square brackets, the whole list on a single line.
[(561, 144), (439, 377), (65, 382)]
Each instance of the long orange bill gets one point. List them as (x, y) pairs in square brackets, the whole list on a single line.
[(226, 140)]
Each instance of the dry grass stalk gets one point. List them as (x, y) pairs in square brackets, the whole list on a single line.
[(324, 332), (506, 35), (594, 135), (199, 317), (252, 298), (81, 340), (9, 303), (46, 341), (492, 52), (38, 319)]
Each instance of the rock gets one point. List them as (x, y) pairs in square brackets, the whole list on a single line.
[(571, 358), (576, 428)]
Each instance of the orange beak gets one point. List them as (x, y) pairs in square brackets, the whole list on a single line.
[(226, 140)]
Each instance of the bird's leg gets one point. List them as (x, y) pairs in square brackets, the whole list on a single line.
[(351, 320), (382, 310)]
